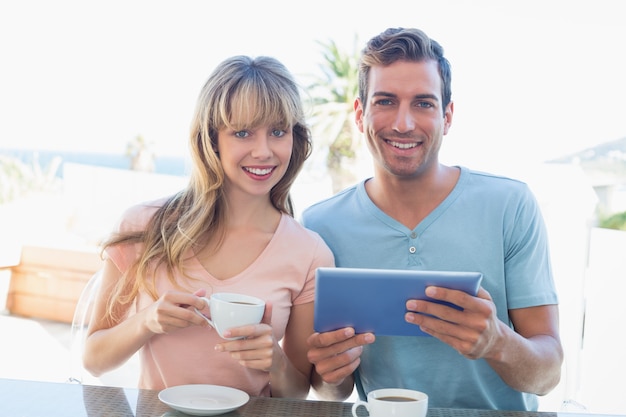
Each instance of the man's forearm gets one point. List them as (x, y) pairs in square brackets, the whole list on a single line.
[(329, 392), (530, 365)]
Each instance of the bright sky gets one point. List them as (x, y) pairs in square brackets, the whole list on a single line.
[(532, 80)]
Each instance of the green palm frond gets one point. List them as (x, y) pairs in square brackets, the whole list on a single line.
[(333, 94)]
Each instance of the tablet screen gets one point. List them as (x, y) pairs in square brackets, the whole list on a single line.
[(373, 300)]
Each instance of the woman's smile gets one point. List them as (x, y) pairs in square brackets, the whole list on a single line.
[(258, 172)]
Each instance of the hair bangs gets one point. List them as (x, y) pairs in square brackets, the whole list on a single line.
[(258, 102)]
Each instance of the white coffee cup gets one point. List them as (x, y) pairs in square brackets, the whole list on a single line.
[(395, 402), (230, 310)]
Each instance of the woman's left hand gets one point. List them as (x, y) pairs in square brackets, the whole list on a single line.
[(258, 349)]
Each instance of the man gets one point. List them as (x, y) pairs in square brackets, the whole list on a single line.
[(503, 349)]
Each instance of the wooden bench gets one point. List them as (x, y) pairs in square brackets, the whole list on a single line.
[(47, 282)]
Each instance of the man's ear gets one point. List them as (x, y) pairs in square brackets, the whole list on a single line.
[(358, 114), (447, 115)]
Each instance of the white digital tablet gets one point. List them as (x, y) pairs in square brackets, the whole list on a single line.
[(373, 300)]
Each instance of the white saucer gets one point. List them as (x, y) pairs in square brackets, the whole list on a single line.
[(203, 400)]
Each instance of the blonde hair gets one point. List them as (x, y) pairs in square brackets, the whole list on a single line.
[(241, 93)]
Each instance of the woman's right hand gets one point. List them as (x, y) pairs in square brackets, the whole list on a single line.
[(174, 310), (111, 342)]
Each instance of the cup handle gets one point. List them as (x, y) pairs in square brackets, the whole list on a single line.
[(358, 404), (198, 312)]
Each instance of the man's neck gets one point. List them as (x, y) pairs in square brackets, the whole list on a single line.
[(410, 199)]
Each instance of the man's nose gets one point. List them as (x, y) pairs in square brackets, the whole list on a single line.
[(404, 121)]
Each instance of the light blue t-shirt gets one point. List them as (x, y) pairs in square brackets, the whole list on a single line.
[(488, 224)]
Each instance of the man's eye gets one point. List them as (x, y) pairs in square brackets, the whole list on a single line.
[(278, 132), (424, 104), (383, 102), (242, 134)]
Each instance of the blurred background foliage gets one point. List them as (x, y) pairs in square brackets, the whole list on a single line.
[(19, 179)]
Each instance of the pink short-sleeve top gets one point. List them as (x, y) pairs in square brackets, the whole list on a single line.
[(284, 274)]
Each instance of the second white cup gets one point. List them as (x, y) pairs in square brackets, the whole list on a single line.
[(230, 310), (395, 402)]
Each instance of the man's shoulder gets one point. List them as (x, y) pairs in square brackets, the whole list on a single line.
[(331, 204), (332, 209), (496, 182), (489, 176), (497, 190)]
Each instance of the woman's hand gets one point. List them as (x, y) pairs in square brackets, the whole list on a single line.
[(174, 310), (258, 349)]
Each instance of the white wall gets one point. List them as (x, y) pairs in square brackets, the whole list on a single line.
[(568, 203), (603, 355), (96, 197)]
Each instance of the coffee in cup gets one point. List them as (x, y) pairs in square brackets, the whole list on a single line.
[(396, 402), (396, 399), (230, 310)]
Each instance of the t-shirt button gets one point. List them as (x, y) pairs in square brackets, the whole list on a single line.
[(413, 235), (412, 249)]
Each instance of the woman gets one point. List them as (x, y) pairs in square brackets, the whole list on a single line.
[(230, 230)]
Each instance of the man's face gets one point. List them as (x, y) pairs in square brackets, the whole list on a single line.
[(403, 120)]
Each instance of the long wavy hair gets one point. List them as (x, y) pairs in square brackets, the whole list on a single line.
[(241, 93)]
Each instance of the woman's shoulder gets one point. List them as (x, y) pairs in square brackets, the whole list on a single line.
[(290, 226), (136, 217), (292, 231)]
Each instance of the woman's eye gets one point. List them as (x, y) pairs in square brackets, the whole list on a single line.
[(278, 132), (242, 134)]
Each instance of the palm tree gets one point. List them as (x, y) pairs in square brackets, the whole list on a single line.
[(19, 179), (332, 123), (141, 154)]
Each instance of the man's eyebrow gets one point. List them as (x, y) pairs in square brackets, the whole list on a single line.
[(427, 96), (382, 94), (416, 97)]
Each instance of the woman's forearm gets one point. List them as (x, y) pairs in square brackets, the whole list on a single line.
[(108, 348)]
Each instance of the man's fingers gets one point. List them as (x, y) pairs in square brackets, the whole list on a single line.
[(344, 337), (319, 340), (335, 376), (323, 349)]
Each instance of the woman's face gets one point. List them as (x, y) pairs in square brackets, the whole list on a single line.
[(254, 160)]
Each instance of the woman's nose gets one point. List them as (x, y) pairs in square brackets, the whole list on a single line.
[(262, 149)]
